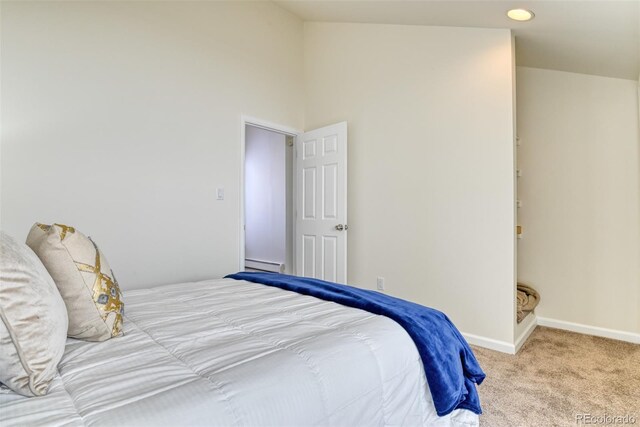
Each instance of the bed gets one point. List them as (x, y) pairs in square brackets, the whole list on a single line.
[(226, 352)]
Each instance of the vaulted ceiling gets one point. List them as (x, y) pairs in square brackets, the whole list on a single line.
[(600, 37)]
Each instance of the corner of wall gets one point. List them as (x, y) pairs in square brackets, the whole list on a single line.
[(515, 184)]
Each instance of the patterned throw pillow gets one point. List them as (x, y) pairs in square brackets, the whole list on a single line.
[(84, 278)]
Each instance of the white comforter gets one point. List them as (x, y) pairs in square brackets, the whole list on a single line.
[(226, 353)]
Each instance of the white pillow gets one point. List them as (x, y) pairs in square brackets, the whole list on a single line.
[(33, 326), (84, 278)]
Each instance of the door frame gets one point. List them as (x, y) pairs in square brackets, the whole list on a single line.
[(274, 127)]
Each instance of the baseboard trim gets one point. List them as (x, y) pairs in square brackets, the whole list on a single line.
[(590, 330), (505, 347), (525, 334), (491, 344)]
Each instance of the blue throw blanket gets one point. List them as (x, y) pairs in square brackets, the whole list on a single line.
[(451, 368)]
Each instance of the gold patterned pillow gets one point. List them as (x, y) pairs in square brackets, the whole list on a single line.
[(84, 279)]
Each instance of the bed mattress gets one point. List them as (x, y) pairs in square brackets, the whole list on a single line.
[(233, 353)]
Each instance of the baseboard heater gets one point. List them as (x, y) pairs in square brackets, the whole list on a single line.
[(256, 264)]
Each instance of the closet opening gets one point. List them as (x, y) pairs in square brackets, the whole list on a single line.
[(268, 240)]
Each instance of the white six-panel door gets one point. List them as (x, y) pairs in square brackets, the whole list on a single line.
[(321, 211)]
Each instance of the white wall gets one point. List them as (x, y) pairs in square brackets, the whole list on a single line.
[(122, 118), (431, 162), (580, 189), (265, 195)]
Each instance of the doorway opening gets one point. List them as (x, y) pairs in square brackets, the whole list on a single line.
[(268, 200), (293, 200)]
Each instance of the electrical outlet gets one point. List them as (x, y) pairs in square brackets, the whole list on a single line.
[(380, 283)]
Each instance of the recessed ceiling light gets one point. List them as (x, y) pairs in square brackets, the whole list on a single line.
[(520, 14)]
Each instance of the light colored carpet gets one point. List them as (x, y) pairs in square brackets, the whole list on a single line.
[(558, 375)]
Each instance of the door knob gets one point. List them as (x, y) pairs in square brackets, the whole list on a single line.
[(341, 227)]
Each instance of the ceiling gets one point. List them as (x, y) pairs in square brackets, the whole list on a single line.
[(600, 37)]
